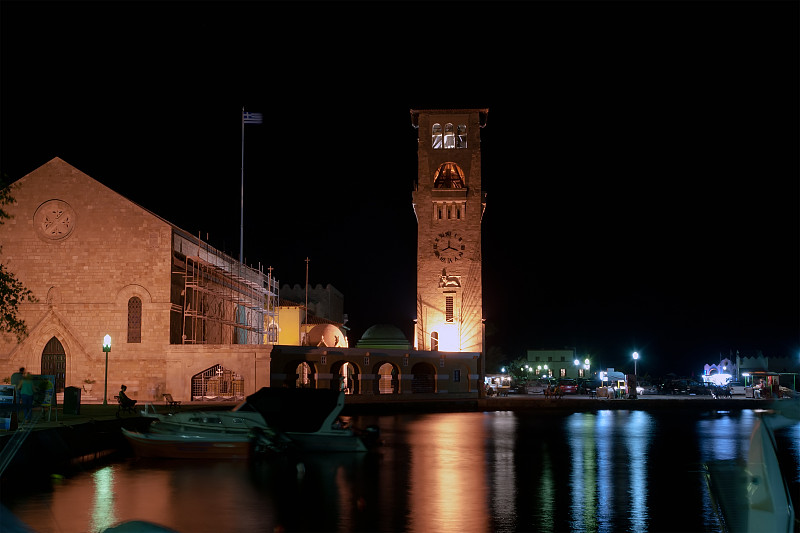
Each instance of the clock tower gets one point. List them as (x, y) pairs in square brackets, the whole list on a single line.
[(449, 204)]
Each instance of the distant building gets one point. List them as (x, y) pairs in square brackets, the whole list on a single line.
[(556, 364), (323, 301)]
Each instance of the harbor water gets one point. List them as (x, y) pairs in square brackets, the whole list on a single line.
[(504, 471)]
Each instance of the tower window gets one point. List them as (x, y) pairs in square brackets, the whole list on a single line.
[(436, 136), (461, 136), (134, 320), (448, 176), (449, 136), (448, 308), (435, 341)]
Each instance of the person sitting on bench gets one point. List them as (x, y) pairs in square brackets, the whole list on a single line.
[(124, 401)]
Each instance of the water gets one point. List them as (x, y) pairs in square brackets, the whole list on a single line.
[(607, 471)]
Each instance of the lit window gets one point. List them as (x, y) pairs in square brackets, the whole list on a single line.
[(448, 176), (436, 136), (448, 308), (461, 136), (449, 136), (134, 320)]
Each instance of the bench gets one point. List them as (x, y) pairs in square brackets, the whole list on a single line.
[(169, 402), (125, 407)]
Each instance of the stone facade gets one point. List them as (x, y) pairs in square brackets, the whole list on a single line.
[(85, 252), (449, 203), (379, 373)]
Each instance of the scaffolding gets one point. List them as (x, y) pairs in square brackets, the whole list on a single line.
[(224, 301)]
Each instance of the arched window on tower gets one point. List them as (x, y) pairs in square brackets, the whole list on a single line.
[(436, 136), (461, 136), (448, 176), (134, 320), (449, 136)]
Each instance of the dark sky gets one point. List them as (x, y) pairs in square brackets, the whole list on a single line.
[(640, 158)]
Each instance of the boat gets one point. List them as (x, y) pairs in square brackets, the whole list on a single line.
[(754, 496), (309, 419), (189, 446), (269, 421)]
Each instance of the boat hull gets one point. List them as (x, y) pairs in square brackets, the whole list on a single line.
[(326, 442), (189, 446)]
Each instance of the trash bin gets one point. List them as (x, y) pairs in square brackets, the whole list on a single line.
[(72, 401)]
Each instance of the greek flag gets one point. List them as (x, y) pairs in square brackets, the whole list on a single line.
[(251, 118)]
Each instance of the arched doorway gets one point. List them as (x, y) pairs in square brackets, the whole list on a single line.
[(305, 377), (423, 378), (54, 363), (345, 378), (388, 381)]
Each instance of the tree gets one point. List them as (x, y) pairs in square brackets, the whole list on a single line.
[(12, 291)]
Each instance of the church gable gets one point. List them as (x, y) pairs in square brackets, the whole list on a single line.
[(71, 232)]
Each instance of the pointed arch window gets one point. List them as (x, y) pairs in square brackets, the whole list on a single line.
[(448, 176), (134, 320)]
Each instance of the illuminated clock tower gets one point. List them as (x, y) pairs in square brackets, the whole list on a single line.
[(449, 204)]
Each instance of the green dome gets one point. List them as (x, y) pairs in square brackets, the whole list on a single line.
[(384, 336)]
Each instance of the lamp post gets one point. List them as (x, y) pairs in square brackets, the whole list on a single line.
[(635, 358), (106, 349)]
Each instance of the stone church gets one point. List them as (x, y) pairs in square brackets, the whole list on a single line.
[(183, 318)]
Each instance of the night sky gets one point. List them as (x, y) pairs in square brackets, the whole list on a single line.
[(640, 159)]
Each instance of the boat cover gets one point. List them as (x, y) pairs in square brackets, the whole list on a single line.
[(300, 410)]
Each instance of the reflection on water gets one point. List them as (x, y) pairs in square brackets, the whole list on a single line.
[(446, 488), (452, 472)]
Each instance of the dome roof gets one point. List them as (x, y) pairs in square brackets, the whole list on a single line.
[(383, 336), (327, 335)]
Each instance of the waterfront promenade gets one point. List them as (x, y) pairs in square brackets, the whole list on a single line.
[(96, 412)]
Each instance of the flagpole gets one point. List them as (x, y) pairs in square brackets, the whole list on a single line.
[(241, 215)]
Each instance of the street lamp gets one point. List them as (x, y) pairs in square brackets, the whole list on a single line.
[(635, 357), (106, 349)]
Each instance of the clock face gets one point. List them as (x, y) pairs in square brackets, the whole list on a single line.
[(449, 247)]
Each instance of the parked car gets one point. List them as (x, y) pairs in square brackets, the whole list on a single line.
[(568, 385), (699, 388), (647, 388), (675, 386), (587, 386), (685, 386)]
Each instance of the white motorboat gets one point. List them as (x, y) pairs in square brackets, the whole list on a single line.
[(271, 420)]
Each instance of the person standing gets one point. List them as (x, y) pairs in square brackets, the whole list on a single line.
[(26, 396), (16, 380)]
